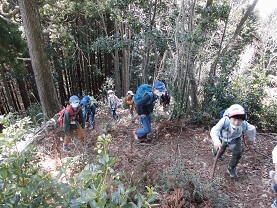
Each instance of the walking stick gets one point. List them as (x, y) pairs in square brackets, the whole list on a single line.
[(216, 159)]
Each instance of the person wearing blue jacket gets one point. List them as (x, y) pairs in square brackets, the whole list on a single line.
[(89, 111), (144, 108), (229, 129)]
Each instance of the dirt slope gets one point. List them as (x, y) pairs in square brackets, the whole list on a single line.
[(172, 142)]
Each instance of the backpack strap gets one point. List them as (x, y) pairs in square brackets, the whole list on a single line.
[(244, 126), (225, 125)]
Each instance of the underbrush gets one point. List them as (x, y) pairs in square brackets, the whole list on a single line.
[(250, 90), (24, 184), (182, 188)]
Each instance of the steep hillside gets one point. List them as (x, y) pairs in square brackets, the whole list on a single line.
[(172, 144)]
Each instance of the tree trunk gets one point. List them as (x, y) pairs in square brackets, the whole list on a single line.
[(23, 93), (235, 35), (6, 87), (44, 81)]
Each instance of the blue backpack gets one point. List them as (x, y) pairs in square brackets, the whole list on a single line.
[(142, 89), (224, 113)]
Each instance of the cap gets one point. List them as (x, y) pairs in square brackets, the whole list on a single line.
[(130, 92), (110, 91), (85, 99), (235, 110), (74, 99), (160, 86)]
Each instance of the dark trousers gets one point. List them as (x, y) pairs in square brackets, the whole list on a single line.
[(236, 149)]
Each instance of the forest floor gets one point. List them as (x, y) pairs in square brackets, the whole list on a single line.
[(172, 143)]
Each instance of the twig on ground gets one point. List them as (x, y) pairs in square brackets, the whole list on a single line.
[(262, 154)]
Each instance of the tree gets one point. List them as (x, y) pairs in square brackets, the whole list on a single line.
[(44, 80)]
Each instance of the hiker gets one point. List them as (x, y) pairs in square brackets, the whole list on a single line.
[(229, 129), (89, 110), (113, 103), (129, 100), (273, 175), (73, 122), (144, 100)]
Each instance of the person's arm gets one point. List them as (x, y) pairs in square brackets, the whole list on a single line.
[(215, 133), (275, 169), (251, 135), (66, 122), (142, 102), (109, 102), (251, 132), (274, 159), (82, 120)]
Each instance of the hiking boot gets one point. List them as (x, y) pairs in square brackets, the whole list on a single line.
[(232, 172), (65, 148), (144, 140), (214, 151)]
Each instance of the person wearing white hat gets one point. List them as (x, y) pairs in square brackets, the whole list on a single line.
[(229, 129), (129, 100), (113, 103)]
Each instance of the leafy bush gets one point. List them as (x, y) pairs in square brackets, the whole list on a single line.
[(100, 186), (35, 113), (24, 184), (246, 89)]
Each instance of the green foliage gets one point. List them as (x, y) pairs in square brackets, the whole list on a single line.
[(246, 89), (267, 117), (35, 113), (24, 184), (100, 186), (21, 182), (208, 20), (194, 190), (180, 103)]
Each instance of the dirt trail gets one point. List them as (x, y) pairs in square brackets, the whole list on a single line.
[(172, 142)]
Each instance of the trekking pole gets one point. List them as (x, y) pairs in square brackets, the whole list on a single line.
[(216, 159)]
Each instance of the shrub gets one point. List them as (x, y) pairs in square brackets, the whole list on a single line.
[(23, 184), (181, 186)]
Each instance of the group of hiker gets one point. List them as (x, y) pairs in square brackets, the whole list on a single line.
[(81, 113), (226, 134)]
